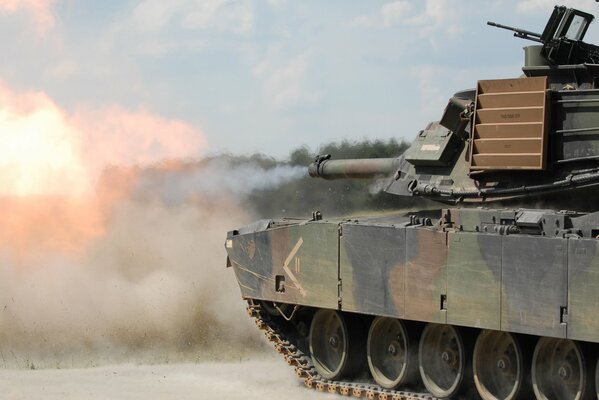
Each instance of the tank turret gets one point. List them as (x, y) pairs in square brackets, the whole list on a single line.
[(533, 137)]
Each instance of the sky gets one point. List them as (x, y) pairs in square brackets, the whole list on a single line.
[(189, 78)]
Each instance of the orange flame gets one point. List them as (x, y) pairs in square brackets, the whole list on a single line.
[(39, 149), (50, 162)]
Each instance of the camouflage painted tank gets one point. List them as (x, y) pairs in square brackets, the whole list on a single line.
[(473, 301)]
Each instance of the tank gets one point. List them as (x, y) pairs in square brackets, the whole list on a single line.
[(495, 294)]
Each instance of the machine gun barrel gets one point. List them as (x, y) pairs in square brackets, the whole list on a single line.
[(521, 33), (324, 167)]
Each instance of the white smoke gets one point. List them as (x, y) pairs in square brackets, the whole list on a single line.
[(212, 180)]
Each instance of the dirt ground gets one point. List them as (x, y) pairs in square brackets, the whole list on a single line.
[(247, 380)]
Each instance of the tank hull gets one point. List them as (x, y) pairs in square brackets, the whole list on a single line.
[(531, 274)]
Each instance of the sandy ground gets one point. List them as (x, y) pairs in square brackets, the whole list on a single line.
[(247, 380)]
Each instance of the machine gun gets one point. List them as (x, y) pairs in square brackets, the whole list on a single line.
[(520, 33), (562, 37)]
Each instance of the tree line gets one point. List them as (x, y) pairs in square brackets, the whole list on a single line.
[(298, 198)]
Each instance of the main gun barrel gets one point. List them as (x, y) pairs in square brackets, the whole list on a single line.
[(324, 167)]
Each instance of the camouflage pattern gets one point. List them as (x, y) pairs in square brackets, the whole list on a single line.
[(360, 279), (480, 268), (293, 263), (534, 280), (474, 279)]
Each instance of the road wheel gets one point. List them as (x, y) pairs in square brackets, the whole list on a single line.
[(442, 360), (389, 352), (559, 370), (499, 366), (336, 344)]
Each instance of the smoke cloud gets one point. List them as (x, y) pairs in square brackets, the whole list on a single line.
[(109, 253), (211, 179)]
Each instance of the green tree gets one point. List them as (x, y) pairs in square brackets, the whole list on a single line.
[(300, 197)]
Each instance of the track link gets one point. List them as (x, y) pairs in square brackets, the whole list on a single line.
[(302, 363)]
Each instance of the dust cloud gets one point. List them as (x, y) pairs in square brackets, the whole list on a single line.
[(151, 286), (112, 238)]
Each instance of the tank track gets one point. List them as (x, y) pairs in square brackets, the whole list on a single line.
[(287, 344)]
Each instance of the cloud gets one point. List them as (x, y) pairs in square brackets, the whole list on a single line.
[(434, 16), (221, 15), (435, 13), (285, 84), (430, 92), (395, 12), (534, 6), (40, 11), (151, 15), (277, 3)]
